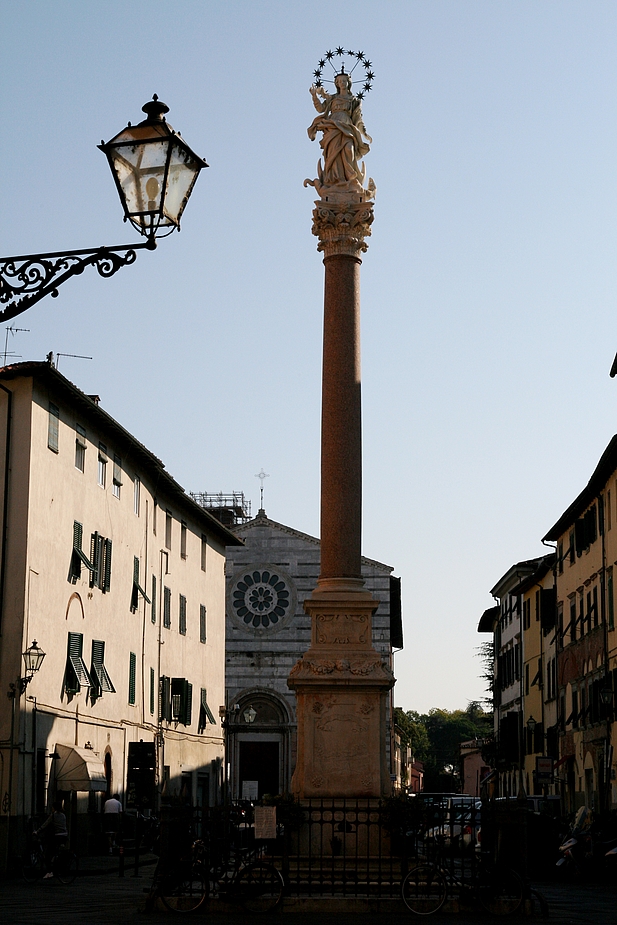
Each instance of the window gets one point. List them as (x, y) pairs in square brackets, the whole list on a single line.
[(153, 612), (76, 675), (167, 607), (132, 676), (136, 494), (154, 512), (100, 562), (152, 690), (205, 713), (77, 556), (594, 605), (181, 701), (610, 601), (183, 540), (117, 481), (102, 465), (165, 698), (168, 520), (101, 682), (573, 620), (204, 547), (53, 426), (80, 447), (182, 616), (137, 588), (202, 623)]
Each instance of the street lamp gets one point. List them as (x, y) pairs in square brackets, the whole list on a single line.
[(250, 715), (33, 659), (155, 172)]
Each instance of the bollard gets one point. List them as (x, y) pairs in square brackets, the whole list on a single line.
[(121, 861)]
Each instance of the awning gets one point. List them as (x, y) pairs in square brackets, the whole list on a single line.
[(78, 769)]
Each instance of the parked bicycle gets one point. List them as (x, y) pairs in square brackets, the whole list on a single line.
[(244, 878), (63, 865), (426, 887)]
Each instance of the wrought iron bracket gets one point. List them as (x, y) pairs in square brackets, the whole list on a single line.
[(28, 279)]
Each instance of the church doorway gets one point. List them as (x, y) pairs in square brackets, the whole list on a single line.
[(259, 766)]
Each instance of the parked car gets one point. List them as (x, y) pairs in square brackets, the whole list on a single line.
[(459, 825)]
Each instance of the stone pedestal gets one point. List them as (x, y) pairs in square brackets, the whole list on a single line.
[(341, 688)]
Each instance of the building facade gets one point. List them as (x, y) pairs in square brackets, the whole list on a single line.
[(268, 579), (119, 576)]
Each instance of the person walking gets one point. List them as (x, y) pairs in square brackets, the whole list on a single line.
[(111, 820)]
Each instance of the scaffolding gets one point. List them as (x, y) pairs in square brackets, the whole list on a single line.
[(232, 510)]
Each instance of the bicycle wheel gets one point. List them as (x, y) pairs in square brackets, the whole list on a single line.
[(259, 887), (424, 889), (501, 891), (183, 892), (65, 866), (33, 867)]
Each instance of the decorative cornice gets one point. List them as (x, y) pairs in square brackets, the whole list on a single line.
[(342, 227)]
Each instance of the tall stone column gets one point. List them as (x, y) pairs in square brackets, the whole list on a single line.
[(341, 683)]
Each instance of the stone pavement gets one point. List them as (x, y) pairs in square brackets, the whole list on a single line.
[(103, 898)]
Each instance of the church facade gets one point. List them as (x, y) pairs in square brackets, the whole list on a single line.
[(267, 631)]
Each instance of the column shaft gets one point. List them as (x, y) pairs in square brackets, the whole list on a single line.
[(341, 433)]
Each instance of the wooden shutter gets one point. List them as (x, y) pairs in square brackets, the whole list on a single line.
[(132, 676), (107, 566), (188, 704), (182, 616), (152, 690), (202, 623), (76, 672), (53, 427), (167, 607), (99, 674), (165, 698), (153, 612)]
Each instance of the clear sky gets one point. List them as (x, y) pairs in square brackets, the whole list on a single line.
[(488, 291)]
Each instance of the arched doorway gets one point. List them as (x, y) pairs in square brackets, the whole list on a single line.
[(259, 746)]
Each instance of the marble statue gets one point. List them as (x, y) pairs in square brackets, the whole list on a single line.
[(344, 141)]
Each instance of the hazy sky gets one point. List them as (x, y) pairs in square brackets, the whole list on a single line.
[(488, 290)]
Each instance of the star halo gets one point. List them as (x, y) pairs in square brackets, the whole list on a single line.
[(349, 60)]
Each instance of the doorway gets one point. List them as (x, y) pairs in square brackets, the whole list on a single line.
[(259, 761)]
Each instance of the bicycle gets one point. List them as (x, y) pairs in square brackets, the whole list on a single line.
[(64, 864), (425, 889), (256, 885)]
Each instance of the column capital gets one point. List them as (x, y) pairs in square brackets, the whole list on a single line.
[(342, 226)]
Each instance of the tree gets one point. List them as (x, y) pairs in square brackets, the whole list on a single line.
[(435, 738)]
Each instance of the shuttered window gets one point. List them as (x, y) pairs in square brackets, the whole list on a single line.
[(165, 698), (78, 557), (204, 550), (205, 713), (183, 533), (167, 607), (132, 676), (152, 690), (136, 494), (610, 600), (117, 480), (182, 615), (168, 521), (80, 447), (181, 701), (153, 611), (76, 675), (102, 469), (202, 622), (101, 682), (53, 426), (137, 588)]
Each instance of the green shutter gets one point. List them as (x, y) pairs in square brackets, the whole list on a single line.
[(165, 698), (153, 614), (188, 704), (52, 427), (132, 674), (100, 677), (182, 616), (167, 607), (107, 569), (76, 675), (202, 623), (152, 690)]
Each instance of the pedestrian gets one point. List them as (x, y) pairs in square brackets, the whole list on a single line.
[(55, 832), (111, 820)]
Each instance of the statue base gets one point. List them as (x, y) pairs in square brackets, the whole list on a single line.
[(341, 687)]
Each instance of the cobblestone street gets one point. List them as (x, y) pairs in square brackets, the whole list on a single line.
[(106, 899)]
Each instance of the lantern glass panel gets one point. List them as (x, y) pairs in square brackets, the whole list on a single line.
[(183, 171)]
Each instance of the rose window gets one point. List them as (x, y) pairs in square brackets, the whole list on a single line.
[(260, 598)]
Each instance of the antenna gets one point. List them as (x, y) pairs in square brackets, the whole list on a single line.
[(76, 356), (12, 330), (261, 476)]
